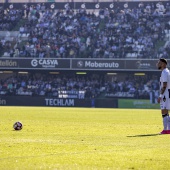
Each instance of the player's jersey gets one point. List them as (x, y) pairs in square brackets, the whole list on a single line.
[(165, 77)]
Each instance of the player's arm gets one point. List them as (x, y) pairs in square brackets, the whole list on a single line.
[(162, 91), (163, 88)]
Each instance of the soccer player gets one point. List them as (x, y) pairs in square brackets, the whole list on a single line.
[(164, 97)]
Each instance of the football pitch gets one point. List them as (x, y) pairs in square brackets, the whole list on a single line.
[(82, 139)]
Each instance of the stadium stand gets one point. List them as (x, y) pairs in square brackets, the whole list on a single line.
[(40, 84), (38, 31), (69, 33)]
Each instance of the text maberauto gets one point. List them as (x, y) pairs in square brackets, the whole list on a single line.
[(96, 64)]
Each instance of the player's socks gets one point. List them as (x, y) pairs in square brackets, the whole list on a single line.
[(165, 124), (168, 127), (165, 120)]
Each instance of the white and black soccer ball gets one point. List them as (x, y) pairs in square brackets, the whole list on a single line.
[(17, 126)]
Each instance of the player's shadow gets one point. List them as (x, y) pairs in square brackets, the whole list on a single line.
[(145, 135)]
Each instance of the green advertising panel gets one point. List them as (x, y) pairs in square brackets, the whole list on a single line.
[(132, 103)]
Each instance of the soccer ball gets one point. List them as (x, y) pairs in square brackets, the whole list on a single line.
[(17, 126)]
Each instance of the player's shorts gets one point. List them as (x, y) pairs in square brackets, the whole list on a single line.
[(165, 103)]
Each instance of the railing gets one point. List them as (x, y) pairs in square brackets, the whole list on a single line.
[(72, 1)]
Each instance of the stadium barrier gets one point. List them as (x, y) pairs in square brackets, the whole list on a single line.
[(94, 5), (79, 64), (137, 104), (68, 102), (57, 102)]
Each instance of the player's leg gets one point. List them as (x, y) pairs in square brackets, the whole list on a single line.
[(168, 108), (165, 118)]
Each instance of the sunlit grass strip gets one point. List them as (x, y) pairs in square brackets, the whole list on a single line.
[(75, 138)]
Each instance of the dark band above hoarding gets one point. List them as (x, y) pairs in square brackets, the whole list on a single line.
[(141, 64), (9, 63), (115, 64), (97, 64), (50, 63), (79, 64)]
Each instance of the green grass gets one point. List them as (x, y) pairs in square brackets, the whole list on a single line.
[(82, 139)]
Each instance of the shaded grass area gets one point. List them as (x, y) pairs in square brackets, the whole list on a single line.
[(82, 138)]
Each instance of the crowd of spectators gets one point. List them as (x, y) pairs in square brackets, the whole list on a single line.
[(49, 85), (133, 87), (92, 85), (9, 18), (70, 33)]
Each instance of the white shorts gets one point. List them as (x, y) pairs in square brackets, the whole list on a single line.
[(165, 104)]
